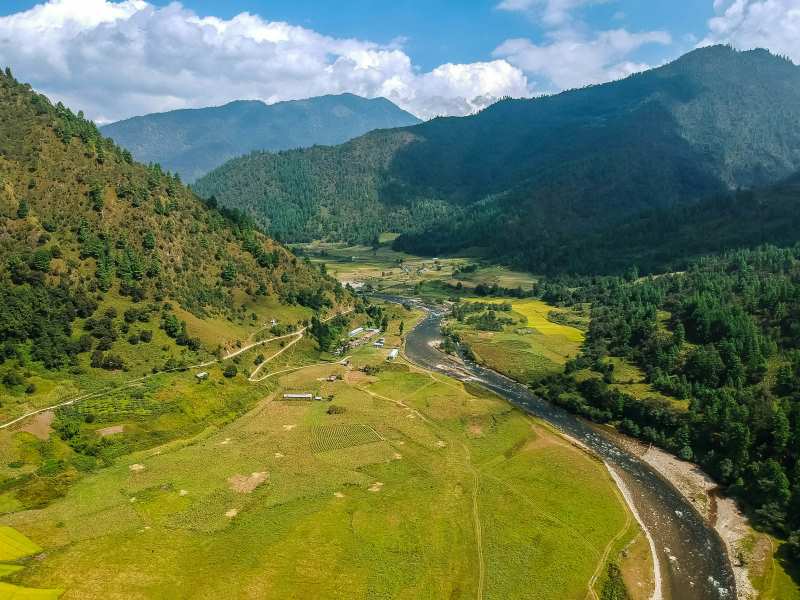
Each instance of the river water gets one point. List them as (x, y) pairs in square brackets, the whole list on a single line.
[(693, 560)]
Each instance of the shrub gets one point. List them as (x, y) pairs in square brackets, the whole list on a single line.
[(230, 371)]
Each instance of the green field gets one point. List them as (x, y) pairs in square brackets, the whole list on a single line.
[(415, 487), (531, 347), (385, 269)]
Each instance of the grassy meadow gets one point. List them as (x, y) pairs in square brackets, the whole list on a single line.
[(405, 485), (532, 346), (388, 270)]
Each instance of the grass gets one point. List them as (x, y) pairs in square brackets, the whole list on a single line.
[(534, 346), (387, 510), (779, 577), (388, 270), (325, 438), (631, 379), (15, 546)]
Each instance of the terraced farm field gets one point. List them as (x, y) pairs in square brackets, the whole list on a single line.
[(414, 487), (325, 438)]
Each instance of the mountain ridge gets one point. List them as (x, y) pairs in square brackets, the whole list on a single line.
[(192, 141), (523, 172)]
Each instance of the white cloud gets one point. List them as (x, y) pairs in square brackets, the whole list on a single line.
[(746, 24), (570, 59), (552, 12), (118, 59)]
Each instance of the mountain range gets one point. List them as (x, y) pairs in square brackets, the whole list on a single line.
[(527, 178), (192, 142)]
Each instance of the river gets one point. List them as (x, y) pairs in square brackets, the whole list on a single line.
[(692, 557)]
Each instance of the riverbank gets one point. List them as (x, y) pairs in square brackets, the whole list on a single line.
[(748, 550)]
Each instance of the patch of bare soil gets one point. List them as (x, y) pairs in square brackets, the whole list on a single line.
[(39, 425), (232, 513), (475, 430), (245, 484), (357, 377), (137, 467), (376, 487), (113, 430)]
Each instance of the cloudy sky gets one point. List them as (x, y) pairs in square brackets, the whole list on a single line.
[(115, 59)]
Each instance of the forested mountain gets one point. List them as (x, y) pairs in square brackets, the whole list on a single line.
[(82, 225), (192, 142), (523, 176), (666, 239), (723, 338)]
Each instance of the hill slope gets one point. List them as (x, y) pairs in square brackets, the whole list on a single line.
[(524, 173), (108, 265), (667, 238), (194, 141)]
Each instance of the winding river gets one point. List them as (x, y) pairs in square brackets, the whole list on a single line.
[(692, 557)]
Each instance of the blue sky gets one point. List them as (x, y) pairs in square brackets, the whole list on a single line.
[(440, 31), (118, 58)]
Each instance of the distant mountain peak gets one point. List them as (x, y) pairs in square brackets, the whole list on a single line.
[(193, 141)]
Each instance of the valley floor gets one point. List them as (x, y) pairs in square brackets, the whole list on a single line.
[(413, 486)]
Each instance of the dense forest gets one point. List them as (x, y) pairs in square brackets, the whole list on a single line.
[(524, 178), (192, 142), (667, 239), (724, 336), (80, 221)]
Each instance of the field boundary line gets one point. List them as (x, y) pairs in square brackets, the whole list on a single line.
[(398, 403), (252, 377), (476, 518)]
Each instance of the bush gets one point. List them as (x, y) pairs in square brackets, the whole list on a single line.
[(334, 409), (145, 335), (12, 378), (230, 371)]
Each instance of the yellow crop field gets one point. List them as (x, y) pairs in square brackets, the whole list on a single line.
[(536, 312), (14, 545), (533, 347)]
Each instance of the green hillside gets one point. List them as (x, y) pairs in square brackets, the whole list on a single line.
[(110, 267), (192, 142), (525, 174)]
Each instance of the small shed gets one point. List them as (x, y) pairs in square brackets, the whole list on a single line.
[(393, 354), (202, 376), (298, 396)]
